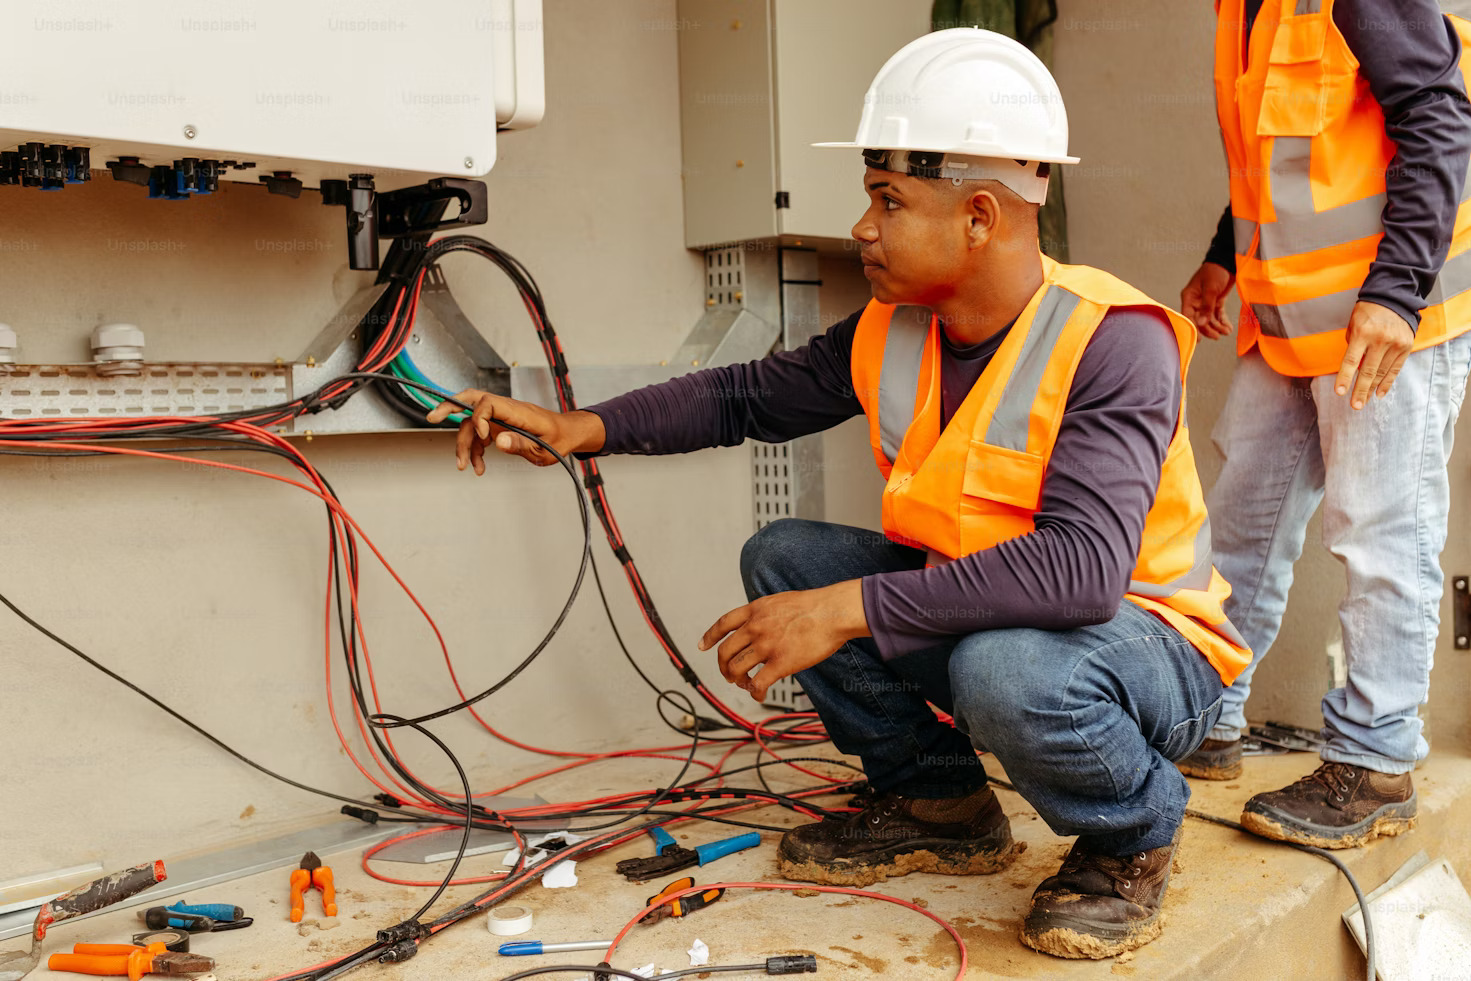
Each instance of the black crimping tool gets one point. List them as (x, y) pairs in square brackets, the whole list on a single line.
[(671, 856)]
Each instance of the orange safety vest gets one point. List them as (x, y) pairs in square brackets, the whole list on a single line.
[(978, 482), (1307, 149)]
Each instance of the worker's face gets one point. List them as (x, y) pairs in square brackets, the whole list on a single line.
[(915, 238)]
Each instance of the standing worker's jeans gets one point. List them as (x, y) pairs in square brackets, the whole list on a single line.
[(1380, 473), (1085, 721)]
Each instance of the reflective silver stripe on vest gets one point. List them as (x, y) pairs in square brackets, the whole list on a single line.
[(1454, 279), (1331, 312), (909, 327), (1198, 578), (1243, 229), (1310, 316), (1308, 7), (1012, 419)]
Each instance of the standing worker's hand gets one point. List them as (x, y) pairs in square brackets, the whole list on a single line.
[(1379, 340), (567, 432), (785, 633), (1203, 300)]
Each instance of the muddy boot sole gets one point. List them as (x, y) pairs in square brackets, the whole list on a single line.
[(944, 857), (1206, 771), (1389, 820), (1082, 941)]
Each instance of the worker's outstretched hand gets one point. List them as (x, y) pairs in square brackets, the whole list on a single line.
[(1203, 300), (567, 432), (1379, 340), (785, 633)]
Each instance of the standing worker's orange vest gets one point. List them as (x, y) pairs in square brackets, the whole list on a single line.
[(1306, 144), (978, 482)]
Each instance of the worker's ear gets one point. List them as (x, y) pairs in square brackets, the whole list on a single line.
[(983, 213)]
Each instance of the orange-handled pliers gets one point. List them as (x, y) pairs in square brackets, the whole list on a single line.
[(129, 959), (312, 873)]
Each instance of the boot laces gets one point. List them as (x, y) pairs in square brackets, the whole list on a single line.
[(1335, 777), (1122, 869)]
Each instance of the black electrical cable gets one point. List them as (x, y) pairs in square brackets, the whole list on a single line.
[(577, 585), (469, 811), (1371, 972)]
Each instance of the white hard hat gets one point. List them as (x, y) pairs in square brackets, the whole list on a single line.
[(979, 98)]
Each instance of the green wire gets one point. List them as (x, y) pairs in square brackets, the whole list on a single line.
[(405, 372)]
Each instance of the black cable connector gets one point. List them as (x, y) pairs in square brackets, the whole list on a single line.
[(792, 964), (399, 932), (388, 800), (361, 813), (399, 952)]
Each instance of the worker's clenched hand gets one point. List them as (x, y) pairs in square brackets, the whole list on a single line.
[(1379, 340), (1203, 300), (566, 432), (785, 633)]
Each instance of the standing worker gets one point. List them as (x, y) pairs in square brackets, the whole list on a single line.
[(1045, 572), (1347, 134)]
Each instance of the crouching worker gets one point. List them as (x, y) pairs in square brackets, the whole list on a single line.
[(1044, 575)]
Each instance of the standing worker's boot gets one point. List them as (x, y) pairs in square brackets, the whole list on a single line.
[(1338, 805), (1098, 905), (894, 835)]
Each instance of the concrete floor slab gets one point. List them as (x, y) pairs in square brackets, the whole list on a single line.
[(1238, 907)]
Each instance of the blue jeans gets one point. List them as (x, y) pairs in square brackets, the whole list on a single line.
[(1380, 473), (1085, 721)]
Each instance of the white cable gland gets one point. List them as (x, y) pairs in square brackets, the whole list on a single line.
[(117, 349), (8, 344)]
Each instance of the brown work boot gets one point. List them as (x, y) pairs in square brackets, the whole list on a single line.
[(1099, 906), (895, 835), (1216, 759), (1338, 805)]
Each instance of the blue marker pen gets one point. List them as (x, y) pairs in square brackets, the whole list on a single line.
[(537, 947)]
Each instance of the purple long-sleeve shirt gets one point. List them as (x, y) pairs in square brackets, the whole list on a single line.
[(1410, 56), (1072, 570)]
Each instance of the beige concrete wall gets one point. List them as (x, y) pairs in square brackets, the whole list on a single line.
[(1143, 204), (207, 589)]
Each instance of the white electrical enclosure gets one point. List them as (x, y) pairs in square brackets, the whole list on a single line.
[(403, 91)]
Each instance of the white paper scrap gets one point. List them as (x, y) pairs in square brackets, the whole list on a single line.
[(699, 954), (563, 875), (647, 971)]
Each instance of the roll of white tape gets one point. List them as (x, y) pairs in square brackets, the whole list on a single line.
[(508, 921)]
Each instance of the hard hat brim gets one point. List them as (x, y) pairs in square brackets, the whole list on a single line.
[(968, 151)]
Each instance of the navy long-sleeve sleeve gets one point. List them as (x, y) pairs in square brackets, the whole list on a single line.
[(1410, 56), (1099, 486), (781, 397)]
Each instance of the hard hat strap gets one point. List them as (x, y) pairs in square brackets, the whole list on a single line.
[(1026, 177)]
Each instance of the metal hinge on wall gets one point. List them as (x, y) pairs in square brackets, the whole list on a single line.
[(1461, 616)]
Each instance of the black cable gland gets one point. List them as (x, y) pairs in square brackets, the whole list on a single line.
[(361, 813), (399, 952), (407, 930), (792, 964), (602, 975), (388, 800)]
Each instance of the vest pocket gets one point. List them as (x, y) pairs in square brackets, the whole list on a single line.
[(1295, 90), (1003, 475)]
